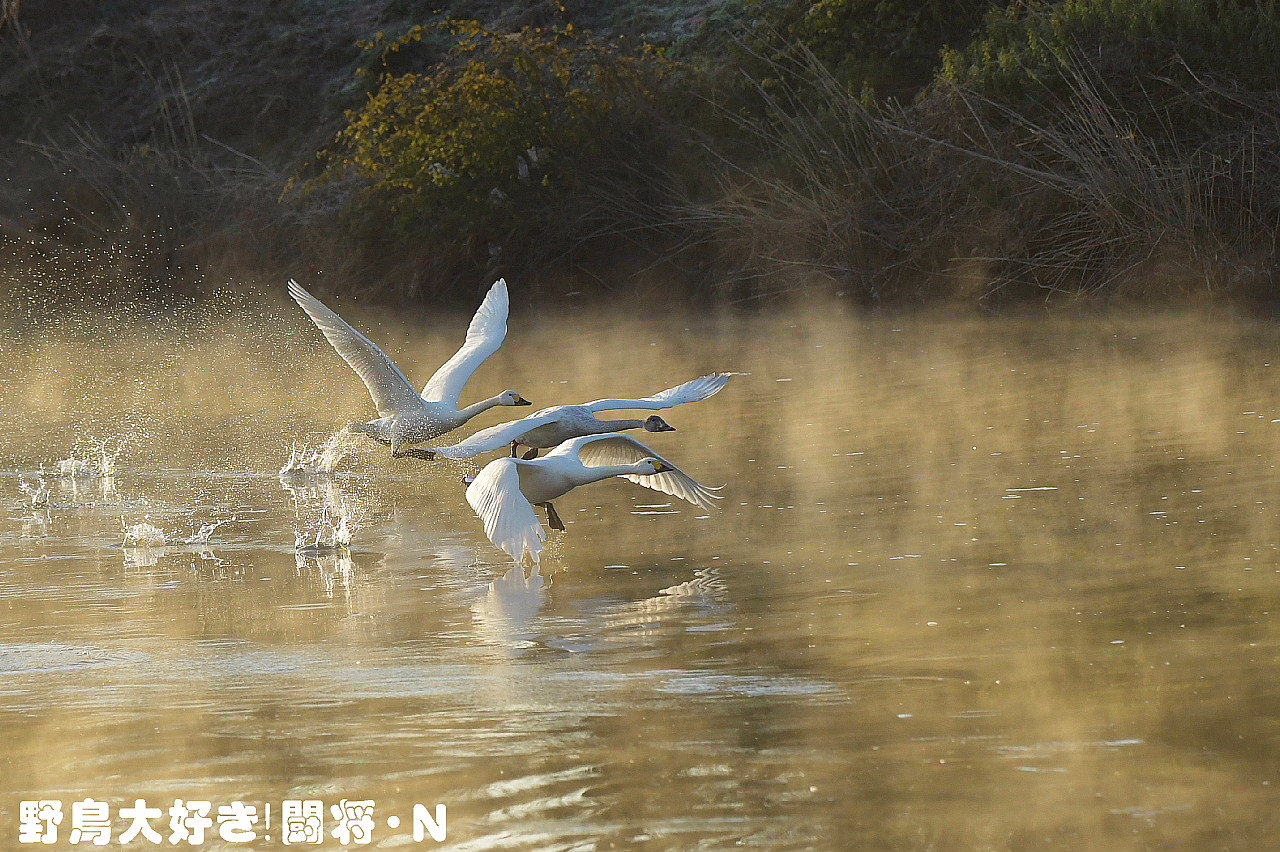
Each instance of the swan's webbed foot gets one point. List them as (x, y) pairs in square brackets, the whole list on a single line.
[(553, 518), (514, 444), (532, 454)]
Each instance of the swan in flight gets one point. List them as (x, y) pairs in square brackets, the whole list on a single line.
[(404, 415), (552, 426), (504, 493)]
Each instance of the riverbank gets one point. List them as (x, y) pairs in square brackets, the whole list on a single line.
[(986, 155)]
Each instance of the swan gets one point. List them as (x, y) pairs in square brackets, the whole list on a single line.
[(552, 426), (406, 416), (504, 493)]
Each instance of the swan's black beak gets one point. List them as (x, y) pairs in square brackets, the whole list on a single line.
[(524, 401)]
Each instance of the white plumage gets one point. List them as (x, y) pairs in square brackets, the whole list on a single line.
[(552, 426), (406, 416), (505, 492)]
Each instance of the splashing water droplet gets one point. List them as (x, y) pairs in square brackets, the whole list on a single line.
[(144, 535)]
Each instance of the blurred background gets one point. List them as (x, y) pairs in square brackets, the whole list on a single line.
[(986, 153)]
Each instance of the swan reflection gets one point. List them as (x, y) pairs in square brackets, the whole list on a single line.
[(504, 616)]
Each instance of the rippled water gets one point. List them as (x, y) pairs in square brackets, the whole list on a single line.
[(977, 584)]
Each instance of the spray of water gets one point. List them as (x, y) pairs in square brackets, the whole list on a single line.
[(74, 468), (322, 460), (143, 535), (205, 533), (37, 490), (107, 453), (333, 531), (148, 535), (90, 460)]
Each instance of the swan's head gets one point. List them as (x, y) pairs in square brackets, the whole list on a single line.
[(510, 397), (654, 423), (648, 467)]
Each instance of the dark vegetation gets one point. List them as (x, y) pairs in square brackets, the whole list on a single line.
[(895, 151)]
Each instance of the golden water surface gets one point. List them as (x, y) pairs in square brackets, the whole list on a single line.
[(976, 584)]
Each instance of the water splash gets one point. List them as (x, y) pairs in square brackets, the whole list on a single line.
[(74, 468), (107, 459), (322, 460), (332, 531), (202, 536), (89, 461), (38, 490), (328, 510), (147, 535), (144, 535)]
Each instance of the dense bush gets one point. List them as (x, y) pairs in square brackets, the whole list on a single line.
[(481, 152), (1149, 125), (1025, 51), (889, 46), (1082, 148), (900, 151)]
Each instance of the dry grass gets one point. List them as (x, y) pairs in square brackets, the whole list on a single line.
[(960, 196)]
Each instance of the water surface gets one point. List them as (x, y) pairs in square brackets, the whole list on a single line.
[(976, 584)]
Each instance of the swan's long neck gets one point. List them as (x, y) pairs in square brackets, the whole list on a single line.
[(480, 407), (617, 426), (595, 474)]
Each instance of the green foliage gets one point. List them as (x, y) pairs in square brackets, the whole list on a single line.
[(503, 122), (1026, 50), (890, 46), (1151, 111)]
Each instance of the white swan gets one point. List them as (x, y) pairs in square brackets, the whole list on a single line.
[(406, 416), (552, 426), (504, 493)]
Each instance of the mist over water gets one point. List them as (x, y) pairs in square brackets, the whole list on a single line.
[(975, 584)]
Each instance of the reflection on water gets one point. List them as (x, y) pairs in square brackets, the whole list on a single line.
[(327, 512), (976, 584), (505, 615)]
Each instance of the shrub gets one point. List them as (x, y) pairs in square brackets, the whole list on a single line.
[(1128, 129), (473, 153), (889, 46), (1024, 55), (963, 194)]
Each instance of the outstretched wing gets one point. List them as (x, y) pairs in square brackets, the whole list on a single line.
[(508, 516), (391, 390), (485, 334), (694, 391), (495, 437), (614, 448)]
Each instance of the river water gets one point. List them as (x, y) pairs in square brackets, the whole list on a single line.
[(980, 584)]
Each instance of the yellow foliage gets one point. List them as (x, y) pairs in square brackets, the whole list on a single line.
[(503, 116)]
